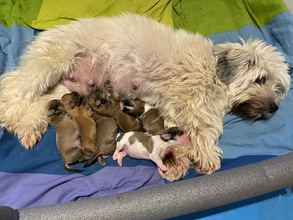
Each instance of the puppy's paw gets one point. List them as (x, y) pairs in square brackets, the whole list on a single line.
[(101, 161), (162, 168), (115, 155)]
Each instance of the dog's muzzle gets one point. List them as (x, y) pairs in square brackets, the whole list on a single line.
[(255, 110), (273, 107)]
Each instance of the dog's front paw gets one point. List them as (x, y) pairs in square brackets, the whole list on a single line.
[(175, 172), (29, 140), (207, 167), (28, 137), (176, 162), (207, 163)]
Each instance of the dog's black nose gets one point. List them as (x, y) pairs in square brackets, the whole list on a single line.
[(273, 107)]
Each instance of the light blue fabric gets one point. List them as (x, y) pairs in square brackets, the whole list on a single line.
[(279, 207), (12, 42), (277, 32)]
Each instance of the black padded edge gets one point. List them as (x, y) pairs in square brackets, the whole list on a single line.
[(8, 213)]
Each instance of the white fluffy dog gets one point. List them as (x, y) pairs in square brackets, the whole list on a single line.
[(192, 82)]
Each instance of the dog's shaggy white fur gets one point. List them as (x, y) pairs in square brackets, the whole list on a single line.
[(191, 81)]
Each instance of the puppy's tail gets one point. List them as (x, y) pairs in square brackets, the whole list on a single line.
[(70, 169), (95, 156)]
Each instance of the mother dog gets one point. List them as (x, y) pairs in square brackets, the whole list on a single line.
[(193, 83)]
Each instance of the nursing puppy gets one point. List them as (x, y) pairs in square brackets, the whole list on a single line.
[(133, 107), (145, 146), (151, 118), (191, 81), (67, 135), (152, 121), (72, 103), (107, 129), (107, 103)]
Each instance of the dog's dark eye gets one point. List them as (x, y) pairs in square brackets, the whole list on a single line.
[(260, 80)]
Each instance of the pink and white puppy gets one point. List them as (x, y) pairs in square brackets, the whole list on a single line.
[(145, 146)]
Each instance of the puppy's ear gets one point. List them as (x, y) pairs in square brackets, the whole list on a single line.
[(98, 102), (165, 137), (230, 61), (51, 112)]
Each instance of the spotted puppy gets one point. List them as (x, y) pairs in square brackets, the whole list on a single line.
[(145, 146)]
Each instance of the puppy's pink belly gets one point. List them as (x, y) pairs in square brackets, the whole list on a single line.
[(138, 152)]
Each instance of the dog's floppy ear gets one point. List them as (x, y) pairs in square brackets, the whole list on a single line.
[(230, 61), (224, 70)]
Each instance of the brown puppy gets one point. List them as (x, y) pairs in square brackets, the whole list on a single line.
[(133, 107), (108, 104), (67, 135), (107, 130), (72, 103), (152, 120)]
